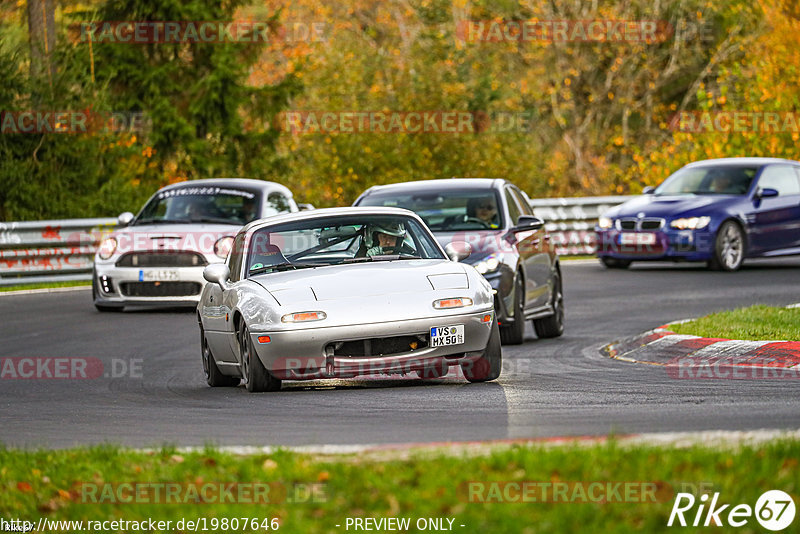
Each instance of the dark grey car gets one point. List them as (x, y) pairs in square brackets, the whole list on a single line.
[(507, 244)]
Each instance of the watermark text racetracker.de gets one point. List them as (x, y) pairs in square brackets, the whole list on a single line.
[(307, 122), (741, 121), (565, 491), (38, 121), (207, 492), (197, 31), (68, 368), (730, 368), (565, 31)]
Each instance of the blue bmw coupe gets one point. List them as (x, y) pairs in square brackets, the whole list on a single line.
[(719, 211)]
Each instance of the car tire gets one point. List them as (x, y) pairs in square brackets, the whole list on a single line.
[(102, 307), (729, 247), (553, 325), (514, 334), (490, 363), (615, 263), (256, 376), (214, 376)]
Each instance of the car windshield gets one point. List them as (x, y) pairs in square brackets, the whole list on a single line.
[(723, 180), (336, 240), (211, 204), (446, 211)]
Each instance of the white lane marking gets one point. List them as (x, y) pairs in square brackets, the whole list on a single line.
[(45, 290), (716, 438)]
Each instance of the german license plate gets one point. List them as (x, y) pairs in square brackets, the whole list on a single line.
[(158, 275), (442, 336), (637, 239)]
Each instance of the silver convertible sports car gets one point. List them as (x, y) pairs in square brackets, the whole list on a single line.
[(340, 293)]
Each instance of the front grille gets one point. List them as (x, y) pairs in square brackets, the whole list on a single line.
[(651, 224), (647, 224), (159, 289), (380, 346), (158, 258)]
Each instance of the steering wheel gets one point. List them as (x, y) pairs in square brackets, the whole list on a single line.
[(478, 221)]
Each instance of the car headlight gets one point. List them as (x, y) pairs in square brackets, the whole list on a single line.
[(107, 248), (489, 264), (605, 223), (690, 223), (223, 246)]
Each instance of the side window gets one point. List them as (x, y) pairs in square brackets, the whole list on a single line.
[(235, 258), (277, 203), (783, 178), (513, 209), (523, 203)]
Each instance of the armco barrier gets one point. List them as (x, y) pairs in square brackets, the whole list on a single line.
[(49, 251), (571, 221)]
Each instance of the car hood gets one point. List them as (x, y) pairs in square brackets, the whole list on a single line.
[(671, 206), (199, 237), (359, 280)]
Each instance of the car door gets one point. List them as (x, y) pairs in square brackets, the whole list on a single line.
[(217, 309), (530, 248), (775, 221)]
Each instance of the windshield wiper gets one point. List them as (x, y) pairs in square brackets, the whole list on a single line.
[(285, 266), (219, 220), (382, 257)]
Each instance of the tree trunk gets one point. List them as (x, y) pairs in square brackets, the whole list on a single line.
[(42, 36)]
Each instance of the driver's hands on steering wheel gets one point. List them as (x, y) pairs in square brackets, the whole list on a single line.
[(485, 224)]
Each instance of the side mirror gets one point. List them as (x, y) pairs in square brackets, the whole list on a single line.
[(767, 192), (458, 250), (125, 219), (217, 273), (528, 222), (649, 190), (305, 207)]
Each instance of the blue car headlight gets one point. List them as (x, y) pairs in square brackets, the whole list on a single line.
[(690, 223), (605, 223)]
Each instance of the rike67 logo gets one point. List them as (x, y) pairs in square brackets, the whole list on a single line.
[(774, 510)]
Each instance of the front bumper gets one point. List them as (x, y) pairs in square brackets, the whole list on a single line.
[(307, 354), (130, 286), (669, 244)]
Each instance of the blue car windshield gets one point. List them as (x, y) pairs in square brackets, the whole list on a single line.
[(722, 180)]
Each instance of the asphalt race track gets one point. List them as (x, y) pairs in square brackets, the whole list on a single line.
[(548, 388)]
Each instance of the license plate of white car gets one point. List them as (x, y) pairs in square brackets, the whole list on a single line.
[(442, 336), (637, 239), (158, 275)]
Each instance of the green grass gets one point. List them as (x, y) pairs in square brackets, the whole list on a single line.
[(756, 323), (49, 285), (569, 257), (48, 483)]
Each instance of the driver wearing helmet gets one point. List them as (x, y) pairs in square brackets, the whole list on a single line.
[(385, 238)]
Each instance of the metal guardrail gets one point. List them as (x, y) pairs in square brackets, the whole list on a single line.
[(571, 221), (50, 251), (55, 251)]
